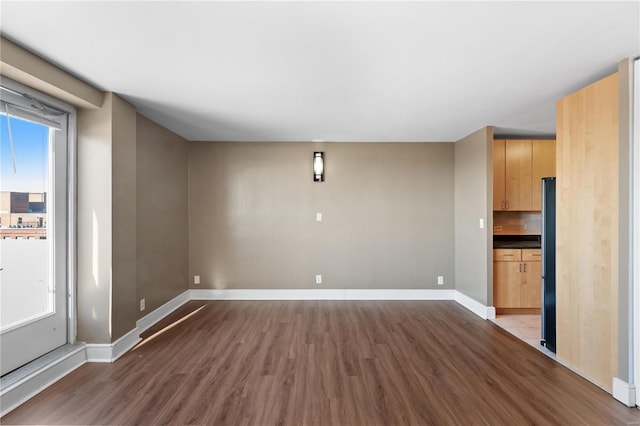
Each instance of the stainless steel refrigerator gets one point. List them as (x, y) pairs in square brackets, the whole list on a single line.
[(548, 241)]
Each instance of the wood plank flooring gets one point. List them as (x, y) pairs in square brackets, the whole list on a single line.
[(325, 363)]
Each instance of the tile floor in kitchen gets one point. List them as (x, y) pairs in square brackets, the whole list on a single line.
[(525, 327)]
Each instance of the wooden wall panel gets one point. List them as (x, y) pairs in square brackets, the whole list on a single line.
[(587, 230)]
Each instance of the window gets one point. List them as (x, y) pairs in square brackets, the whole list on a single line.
[(37, 291)]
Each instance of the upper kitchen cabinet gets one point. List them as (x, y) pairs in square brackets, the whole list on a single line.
[(543, 165), (499, 194), (518, 166)]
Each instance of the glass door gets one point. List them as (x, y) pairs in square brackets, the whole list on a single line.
[(33, 228)]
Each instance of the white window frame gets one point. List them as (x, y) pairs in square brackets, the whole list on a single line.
[(635, 316), (71, 196)]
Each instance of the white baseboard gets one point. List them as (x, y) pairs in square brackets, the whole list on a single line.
[(321, 294), (109, 352), (146, 322), (398, 294), (624, 392), (29, 385), (484, 312), (266, 294)]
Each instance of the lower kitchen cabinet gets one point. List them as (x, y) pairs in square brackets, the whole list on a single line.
[(531, 290), (517, 279), (506, 284)]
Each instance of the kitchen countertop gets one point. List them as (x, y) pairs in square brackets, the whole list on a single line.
[(516, 244)]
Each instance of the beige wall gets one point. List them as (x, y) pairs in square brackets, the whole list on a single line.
[(387, 215), (587, 229), (132, 218), (473, 201), (94, 223), (162, 215), (123, 178), (106, 221)]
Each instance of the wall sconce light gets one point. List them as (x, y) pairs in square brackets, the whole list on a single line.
[(318, 166)]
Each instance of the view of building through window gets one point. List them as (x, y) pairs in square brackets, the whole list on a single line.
[(26, 285), (24, 179)]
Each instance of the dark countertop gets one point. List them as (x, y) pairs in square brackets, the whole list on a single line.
[(516, 244), (516, 241)]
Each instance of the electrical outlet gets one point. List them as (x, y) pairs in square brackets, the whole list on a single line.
[(319, 217), (196, 279), (497, 228), (142, 304), (440, 280), (318, 279)]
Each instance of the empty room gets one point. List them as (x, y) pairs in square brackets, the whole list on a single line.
[(319, 212)]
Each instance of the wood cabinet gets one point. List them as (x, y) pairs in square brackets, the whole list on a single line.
[(543, 165), (517, 278), (499, 178), (531, 285), (518, 175), (506, 284), (518, 166)]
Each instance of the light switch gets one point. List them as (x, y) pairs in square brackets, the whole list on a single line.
[(481, 223), (319, 217)]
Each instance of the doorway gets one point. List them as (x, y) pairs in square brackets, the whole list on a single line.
[(36, 208)]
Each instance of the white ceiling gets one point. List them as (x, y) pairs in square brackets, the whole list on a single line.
[(338, 71)]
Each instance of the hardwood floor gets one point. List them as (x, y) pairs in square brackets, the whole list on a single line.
[(325, 363)]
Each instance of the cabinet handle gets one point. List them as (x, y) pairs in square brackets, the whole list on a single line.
[(502, 204), (507, 205), (524, 267), (519, 267)]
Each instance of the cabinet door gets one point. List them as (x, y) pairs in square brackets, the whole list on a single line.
[(499, 196), (531, 285), (531, 255), (518, 174), (543, 165), (507, 255), (506, 284)]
